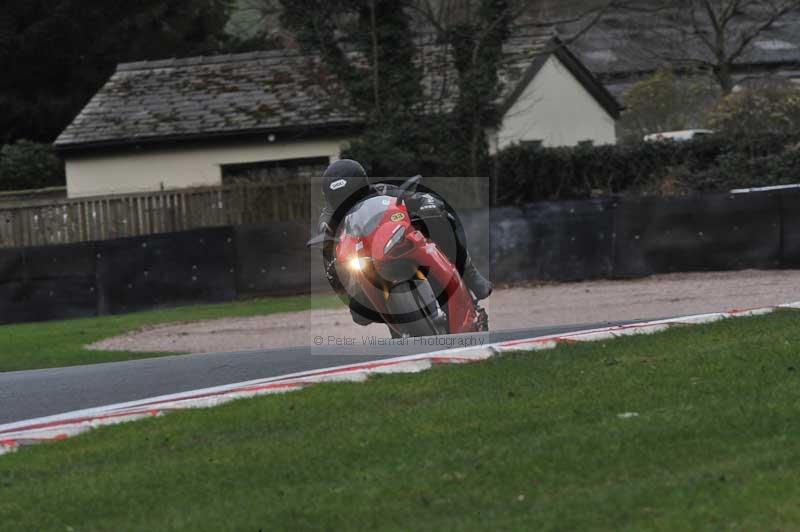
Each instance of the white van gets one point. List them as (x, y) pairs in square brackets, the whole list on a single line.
[(678, 136)]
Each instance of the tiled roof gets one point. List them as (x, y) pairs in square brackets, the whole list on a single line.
[(203, 97)]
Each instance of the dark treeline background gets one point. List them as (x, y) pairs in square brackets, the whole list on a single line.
[(55, 54)]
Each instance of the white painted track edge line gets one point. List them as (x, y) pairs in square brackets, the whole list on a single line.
[(80, 420)]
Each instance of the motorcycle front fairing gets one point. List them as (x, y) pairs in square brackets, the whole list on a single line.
[(354, 257), (461, 313), (380, 248)]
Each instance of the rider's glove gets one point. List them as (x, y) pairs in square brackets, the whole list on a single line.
[(325, 228)]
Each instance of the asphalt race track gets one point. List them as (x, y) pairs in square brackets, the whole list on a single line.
[(36, 393)]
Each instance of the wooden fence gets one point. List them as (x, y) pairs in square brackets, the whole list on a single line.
[(39, 222), (106, 217)]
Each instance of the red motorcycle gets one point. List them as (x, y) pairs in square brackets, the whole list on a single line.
[(402, 275)]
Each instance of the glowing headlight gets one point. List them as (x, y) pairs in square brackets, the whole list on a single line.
[(356, 264)]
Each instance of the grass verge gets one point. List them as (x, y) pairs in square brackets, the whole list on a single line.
[(695, 428), (61, 343)]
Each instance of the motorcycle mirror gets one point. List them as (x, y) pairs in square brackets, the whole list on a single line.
[(320, 239), (408, 188)]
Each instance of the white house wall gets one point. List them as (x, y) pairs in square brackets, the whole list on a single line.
[(556, 110), (167, 168)]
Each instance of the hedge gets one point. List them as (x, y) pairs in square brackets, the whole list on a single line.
[(708, 164), (28, 165)]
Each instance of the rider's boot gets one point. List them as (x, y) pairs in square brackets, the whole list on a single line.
[(480, 286)]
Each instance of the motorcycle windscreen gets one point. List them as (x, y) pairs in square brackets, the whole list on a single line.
[(365, 216)]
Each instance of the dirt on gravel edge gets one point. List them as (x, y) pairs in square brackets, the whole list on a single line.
[(509, 308)]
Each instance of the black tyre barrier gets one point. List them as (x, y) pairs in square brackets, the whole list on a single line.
[(552, 241), (48, 282), (790, 229), (697, 233), (166, 269), (274, 260)]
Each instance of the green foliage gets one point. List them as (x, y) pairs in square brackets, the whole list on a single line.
[(739, 170), (405, 148), (254, 21), (692, 429), (55, 54), (664, 102), (63, 343), (477, 46), (369, 46), (26, 165), (757, 111), (706, 164)]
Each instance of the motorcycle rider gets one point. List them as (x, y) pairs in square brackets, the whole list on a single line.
[(345, 183)]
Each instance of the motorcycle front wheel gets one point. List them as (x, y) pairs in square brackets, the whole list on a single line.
[(413, 310)]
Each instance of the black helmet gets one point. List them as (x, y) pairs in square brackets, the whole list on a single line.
[(344, 181)]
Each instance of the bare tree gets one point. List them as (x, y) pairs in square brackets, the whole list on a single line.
[(471, 35), (666, 102), (710, 35), (474, 33)]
